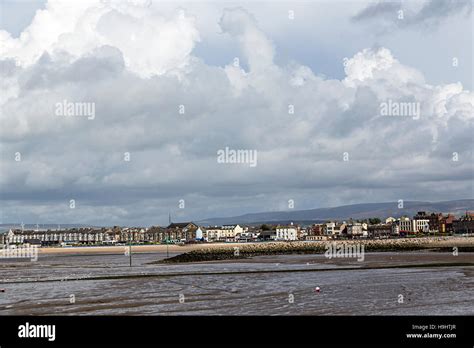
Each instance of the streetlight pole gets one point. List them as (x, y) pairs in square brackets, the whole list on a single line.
[(130, 248)]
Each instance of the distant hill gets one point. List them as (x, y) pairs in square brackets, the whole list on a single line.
[(345, 212)]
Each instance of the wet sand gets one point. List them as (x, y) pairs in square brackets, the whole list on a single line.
[(431, 283), (117, 250)]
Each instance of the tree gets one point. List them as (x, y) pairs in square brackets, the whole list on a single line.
[(374, 221)]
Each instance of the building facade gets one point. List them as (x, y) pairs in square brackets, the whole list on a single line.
[(72, 236), (356, 230), (464, 225), (379, 231), (224, 233), (286, 233), (405, 225), (334, 229), (181, 232)]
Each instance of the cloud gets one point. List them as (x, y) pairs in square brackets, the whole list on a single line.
[(422, 12), (150, 43), (377, 9), (138, 96), (369, 65), (256, 47)]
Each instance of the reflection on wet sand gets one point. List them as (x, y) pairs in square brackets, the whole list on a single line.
[(429, 282)]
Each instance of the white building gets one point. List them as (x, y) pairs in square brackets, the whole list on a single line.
[(329, 228), (287, 232), (247, 236), (56, 237), (421, 225), (213, 233), (404, 225), (78, 236), (232, 230), (228, 232), (333, 228)]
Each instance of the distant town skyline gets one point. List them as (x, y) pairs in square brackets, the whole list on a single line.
[(120, 113)]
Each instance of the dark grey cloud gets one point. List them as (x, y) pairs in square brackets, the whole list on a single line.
[(430, 13), (385, 9)]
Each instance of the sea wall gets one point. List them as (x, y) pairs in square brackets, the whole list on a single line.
[(463, 244)]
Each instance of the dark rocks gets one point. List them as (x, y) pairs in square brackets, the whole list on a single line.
[(242, 251)]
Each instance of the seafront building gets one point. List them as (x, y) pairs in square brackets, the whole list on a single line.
[(334, 229), (403, 225), (179, 232), (315, 233), (380, 231), (75, 236), (186, 232), (287, 233), (465, 224), (227, 233), (357, 230)]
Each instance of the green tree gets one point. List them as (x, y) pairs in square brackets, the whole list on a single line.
[(374, 221)]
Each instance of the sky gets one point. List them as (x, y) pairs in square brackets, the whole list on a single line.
[(115, 112)]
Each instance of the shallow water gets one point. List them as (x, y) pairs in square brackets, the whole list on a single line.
[(45, 287)]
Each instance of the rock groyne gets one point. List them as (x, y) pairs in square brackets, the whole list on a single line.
[(241, 251)]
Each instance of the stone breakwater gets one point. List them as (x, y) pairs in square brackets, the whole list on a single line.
[(241, 251)]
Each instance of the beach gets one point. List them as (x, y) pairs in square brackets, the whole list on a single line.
[(117, 250), (100, 281), (431, 283)]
